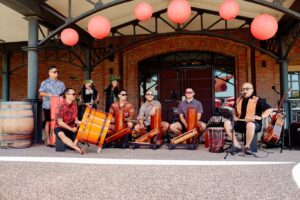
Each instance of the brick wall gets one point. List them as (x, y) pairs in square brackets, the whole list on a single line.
[(129, 58)]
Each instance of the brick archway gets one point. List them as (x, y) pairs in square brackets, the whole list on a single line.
[(133, 56)]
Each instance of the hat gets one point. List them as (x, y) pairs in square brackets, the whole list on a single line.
[(114, 77), (88, 81)]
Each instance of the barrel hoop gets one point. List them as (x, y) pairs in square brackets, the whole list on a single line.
[(102, 129), (15, 116), (6, 137), (9, 109)]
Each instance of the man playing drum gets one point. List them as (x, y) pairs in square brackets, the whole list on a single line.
[(67, 121), (144, 118), (180, 127), (125, 106)]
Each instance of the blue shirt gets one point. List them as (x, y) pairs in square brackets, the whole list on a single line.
[(53, 87)]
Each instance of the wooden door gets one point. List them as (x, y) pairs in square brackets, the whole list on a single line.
[(172, 87)]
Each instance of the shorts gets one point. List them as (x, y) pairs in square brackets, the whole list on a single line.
[(240, 126), (47, 114), (183, 130), (67, 133)]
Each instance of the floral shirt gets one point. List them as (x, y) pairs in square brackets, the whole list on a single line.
[(66, 112), (54, 87)]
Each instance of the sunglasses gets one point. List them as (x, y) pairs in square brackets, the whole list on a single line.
[(123, 95), (74, 94), (189, 92), (149, 94), (246, 89), (55, 72)]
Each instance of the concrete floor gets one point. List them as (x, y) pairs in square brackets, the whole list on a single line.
[(42, 173)]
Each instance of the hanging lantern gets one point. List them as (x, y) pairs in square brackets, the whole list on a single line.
[(179, 11), (69, 37), (264, 26), (143, 11), (229, 9), (99, 27)]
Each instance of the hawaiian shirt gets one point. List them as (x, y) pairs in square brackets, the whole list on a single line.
[(127, 109), (54, 87), (66, 112)]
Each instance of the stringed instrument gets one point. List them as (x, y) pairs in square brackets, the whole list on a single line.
[(273, 131)]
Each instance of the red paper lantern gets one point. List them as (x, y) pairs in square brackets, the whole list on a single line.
[(69, 37), (99, 27), (179, 11), (264, 26), (143, 11), (229, 9)]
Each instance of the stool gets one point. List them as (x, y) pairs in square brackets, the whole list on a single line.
[(59, 145)]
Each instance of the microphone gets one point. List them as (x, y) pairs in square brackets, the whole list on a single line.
[(273, 88)]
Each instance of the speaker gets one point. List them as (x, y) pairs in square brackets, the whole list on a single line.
[(295, 134)]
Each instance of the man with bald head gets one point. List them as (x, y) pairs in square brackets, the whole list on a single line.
[(249, 112)]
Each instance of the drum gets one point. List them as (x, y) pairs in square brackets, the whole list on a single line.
[(192, 122), (16, 124), (216, 139), (54, 106), (94, 126)]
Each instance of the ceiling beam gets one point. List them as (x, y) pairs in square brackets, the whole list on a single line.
[(49, 17)]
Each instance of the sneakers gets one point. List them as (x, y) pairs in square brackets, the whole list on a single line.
[(234, 150), (248, 151)]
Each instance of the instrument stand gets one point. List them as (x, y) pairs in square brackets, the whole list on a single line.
[(123, 145), (151, 145), (191, 146)]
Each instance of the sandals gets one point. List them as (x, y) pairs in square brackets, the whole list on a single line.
[(248, 151)]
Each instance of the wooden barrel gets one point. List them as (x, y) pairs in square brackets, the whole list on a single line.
[(16, 124), (94, 126)]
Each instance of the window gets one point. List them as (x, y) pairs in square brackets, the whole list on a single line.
[(294, 83)]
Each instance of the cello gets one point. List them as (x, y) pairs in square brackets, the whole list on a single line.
[(273, 131)]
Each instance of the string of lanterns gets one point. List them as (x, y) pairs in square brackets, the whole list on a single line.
[(263, 27)]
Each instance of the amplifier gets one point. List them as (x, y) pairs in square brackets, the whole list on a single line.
[(295, 134)]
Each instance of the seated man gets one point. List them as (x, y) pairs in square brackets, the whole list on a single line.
[(249, 112), (126, 107), (67, 121), (144, 117), (180, 127)]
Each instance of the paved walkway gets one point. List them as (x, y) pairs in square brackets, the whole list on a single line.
[(41, 173)]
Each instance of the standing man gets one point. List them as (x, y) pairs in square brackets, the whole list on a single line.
[(180, 127), (144, 117), (249, 112), (50, 87), (125, 106)]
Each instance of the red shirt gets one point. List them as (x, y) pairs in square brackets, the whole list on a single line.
[(66, 112), (127, 109)]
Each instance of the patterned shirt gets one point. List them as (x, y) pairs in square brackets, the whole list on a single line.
[(184, 105), (54, 87), (127, 109), (66, 112), (144, 113)]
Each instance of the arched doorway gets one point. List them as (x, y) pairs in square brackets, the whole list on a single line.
[(210, 74)]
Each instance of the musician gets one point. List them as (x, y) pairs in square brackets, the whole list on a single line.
[(180, 127), (249, 112), (145, 113), (50, 87), (67, 121), (112, 91), (125, 106), (88, 96)]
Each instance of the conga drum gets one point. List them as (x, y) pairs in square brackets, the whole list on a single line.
[(94, 126), (216, 139), (54, 106)]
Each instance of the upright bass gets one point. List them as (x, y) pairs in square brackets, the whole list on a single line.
[(273, 131)]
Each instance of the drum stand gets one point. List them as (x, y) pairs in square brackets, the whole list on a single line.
[(119, 139), (190, 135), (124, 144), (147, 140)]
